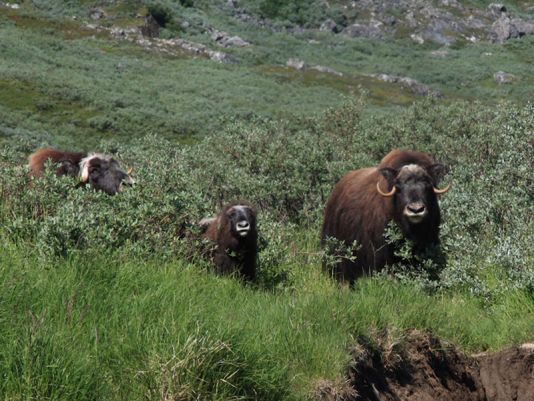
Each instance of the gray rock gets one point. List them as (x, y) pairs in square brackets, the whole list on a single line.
[(372, 30), (96, 14), (225, 40), (452, 3), (296, 64), (234, 41), (523, 27), (417, 38), (437, 36), (411, 20), (503, 29), (219, 57), (440, 53), (502, 77), (496, 9), (410, 83), (330, 26), (13, 6), (326, 70), (124, 33), (475, 23)]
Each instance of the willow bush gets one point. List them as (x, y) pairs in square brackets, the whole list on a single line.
[(288, 168)]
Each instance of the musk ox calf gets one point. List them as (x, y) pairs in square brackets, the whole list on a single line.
[(233, 232), (102, 172), (402, 188)]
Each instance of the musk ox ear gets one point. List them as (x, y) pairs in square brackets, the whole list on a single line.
[(389, 174), (205, 223), (437, 172)]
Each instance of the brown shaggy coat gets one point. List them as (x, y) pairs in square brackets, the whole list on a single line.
[(233, 252), (356, 211), (101, 172), (68, 162)]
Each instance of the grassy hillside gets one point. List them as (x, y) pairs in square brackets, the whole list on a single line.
[(72, 85), (106, 298), (148, 318), (123, 330)]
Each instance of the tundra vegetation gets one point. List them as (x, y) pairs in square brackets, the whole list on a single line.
[(105, 297)]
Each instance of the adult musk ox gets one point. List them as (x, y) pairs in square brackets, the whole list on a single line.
[(402, 188), (233, 232), (100, 171)]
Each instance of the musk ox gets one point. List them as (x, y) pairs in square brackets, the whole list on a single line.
[(100, 171), (402, 188), (233, 232)]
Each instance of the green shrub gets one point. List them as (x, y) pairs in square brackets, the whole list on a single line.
[(288, 169), (161, 13)]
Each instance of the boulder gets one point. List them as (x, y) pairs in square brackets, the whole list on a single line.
[(296, 64), (413, 85), (503, 29), (330, 26), (496, 9), (225, 40), (371, 30), (326, 70), (502, 77), (96, 14)]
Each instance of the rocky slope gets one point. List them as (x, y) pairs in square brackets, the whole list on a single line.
[(443, 21)]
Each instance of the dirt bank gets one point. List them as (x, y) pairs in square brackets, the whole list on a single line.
[(420, 367)]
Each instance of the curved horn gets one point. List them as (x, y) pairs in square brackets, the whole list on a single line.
[(388, 194), (441, 191), (130, 171)]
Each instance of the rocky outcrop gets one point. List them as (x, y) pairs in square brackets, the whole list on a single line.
[(330, 25), (13, 6), (502, 77), (296, 64), (96, 14), (226, 40), (413, 85), (443, 22), (169, 46), (506, 28), (302, 66), (372, 29), (326, 70)]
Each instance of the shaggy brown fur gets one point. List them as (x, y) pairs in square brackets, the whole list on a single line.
[(356, 211), (68, 162), (102, 172), (232, 251)]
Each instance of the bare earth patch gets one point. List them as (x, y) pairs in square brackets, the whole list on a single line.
[(421, 367)]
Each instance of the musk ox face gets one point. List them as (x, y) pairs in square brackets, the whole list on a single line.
[(242, 220), (413, 189), (104, 173)]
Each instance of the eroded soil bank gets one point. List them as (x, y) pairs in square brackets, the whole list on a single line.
[(423, 368)]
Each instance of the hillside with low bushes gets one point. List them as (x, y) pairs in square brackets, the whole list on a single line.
[(109, 297)]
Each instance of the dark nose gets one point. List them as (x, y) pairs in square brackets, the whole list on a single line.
[(417, 208)]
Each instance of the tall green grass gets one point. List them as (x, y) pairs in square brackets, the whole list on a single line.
[(90, 328)]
